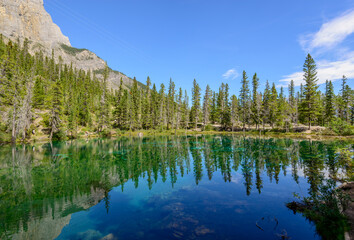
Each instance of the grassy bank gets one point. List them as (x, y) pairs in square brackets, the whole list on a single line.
[(87, 134)]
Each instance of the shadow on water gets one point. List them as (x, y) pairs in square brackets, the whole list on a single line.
[(161, 188)]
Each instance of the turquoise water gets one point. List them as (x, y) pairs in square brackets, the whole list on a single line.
[(206, 187)]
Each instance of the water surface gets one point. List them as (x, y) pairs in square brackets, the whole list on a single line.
[(206, 187)]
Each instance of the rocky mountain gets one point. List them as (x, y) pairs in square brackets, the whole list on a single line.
[(21, 19)]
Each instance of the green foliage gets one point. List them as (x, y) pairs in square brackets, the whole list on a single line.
[(309, 104), (323, 209), (341, 127), (209, 127), (59, 135), (71, 50), (346, 161)]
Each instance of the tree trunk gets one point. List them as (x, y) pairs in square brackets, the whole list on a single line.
[(309, 124), (13, 134)]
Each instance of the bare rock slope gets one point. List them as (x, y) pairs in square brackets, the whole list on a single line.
[(21, 19)]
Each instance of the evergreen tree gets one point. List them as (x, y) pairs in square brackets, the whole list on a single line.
[(244, 100), (170, 104), (146, 118), (38, 93), (104, 108), (56, 110), (195, 110), (273, 106), (293, 104), (179, 111), (136, 105), (330, 107), (234, 111), (226, 114), (266, 104), (213, 108), (206, 106), (344, 101), (162, 104), (310, 90), (256, 101)]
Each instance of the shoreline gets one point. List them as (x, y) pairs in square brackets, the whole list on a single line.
[(155, 133)]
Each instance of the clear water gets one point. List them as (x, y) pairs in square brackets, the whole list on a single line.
[(205, 187)]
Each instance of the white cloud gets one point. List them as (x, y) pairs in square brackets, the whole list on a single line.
[(326, 71), (331, 33), (230, 74)]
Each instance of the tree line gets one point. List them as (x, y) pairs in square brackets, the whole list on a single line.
[(71, 100)]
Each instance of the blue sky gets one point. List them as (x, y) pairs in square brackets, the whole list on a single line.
[(213, 41)]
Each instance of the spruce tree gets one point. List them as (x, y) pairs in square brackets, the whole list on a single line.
[(244, 100), (226, 114), (256, 101), (195, 110), (146, 111), (310, 90), (234, 111), (170, 106), (293, 108), (266, 104), (206, 106), (56, 110), (273, 106), (330, 107)]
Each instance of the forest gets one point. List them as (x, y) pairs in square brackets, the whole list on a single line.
[(39, 95)]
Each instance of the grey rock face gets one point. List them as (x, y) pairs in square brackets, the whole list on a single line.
[(28, 19)]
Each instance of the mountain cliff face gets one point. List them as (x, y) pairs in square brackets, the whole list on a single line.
[(28, 19), (21, 19)]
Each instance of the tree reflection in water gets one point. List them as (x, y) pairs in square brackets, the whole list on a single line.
[(59, 179)]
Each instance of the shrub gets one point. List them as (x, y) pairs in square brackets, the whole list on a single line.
[(341, 127), (71, 50), (60, 135), (209, 127)]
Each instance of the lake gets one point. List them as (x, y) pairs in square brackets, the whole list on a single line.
[(188, 187)]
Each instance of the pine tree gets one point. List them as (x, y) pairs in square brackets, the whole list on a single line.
[(234, 111), (154, 106), (136, 105), (266, 104), (146, 118), (256, 101), (38, 93), (206, 106), (283, 118), (185, 110), (244, 100), (170, 106), (344, 110), (56, 110), (162, 106), (330, 97), (195, 110), (293, 107), (310, 90), (213, 111), (273, 106), (104, 108), (179, 110), (226, 114)]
